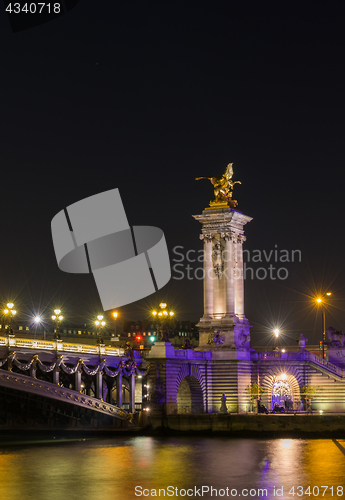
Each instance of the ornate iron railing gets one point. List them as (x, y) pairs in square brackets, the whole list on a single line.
[(60, 345)]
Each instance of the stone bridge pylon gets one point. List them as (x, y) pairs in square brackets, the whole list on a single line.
[(193, 381), (223, 323)]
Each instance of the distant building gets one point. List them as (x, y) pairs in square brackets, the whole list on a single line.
[(145, 333)]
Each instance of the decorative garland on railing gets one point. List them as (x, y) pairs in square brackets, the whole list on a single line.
[(112, 373), (9, 359), (122, 368), (129, 369), (90, 371), (49, 368), (2, 362), (143, 372), (23, 366)]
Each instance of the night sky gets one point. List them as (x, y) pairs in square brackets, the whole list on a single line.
[(145, 96)]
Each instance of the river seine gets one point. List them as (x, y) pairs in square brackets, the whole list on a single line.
[(172, 467)]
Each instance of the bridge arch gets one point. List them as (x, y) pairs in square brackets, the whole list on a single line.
[(285, 379), (190, 397)]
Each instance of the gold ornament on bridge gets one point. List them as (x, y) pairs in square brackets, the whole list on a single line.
[(223, 187)]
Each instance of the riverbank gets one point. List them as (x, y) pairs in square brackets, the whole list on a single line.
[(231, 425), (239, 424)]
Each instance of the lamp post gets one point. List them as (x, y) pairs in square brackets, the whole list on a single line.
[(99, 325), (163, 315), (113, 337), (321, 301), (9, 312), (37, 321), (57, 317), (276, 333)]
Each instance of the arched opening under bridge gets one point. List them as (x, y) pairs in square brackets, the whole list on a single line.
[(189, 396), (282, 394)]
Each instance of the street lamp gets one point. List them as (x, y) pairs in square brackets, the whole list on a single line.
[(276, 333), (37, 321), (320, 301), (115, 314), (57, 317), (99, 325), (163, 315), (9, 312)]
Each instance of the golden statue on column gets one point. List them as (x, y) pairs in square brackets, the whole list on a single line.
[(223, 187)]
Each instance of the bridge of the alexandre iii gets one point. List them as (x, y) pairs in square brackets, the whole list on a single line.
[(54, 383)]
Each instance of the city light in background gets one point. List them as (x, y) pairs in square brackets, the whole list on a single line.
[(163, 315)]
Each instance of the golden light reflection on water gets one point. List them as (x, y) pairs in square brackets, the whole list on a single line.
[(297, 462), (286, 443), (8, 473), (324, 461), (108, 469)]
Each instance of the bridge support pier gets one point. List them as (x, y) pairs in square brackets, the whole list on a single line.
[(77, 381), (132, 393), (119, 389), (110, 384), (56, 379), (99, 386), (33, 371)]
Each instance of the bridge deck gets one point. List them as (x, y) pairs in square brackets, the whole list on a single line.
[(60, 346), (47, 389)]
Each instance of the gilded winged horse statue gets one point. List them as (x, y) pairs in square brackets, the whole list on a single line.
[(223, 187)]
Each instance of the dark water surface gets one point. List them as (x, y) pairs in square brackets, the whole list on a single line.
[(112, 468)]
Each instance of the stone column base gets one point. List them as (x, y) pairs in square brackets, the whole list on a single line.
[(226, 333)]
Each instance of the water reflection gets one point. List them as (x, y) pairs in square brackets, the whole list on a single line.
[(104, 469)]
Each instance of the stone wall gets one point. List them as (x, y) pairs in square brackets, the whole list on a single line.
[(186, 381), (251, 423)]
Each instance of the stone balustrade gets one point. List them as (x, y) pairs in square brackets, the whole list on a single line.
[(298, 356), (326, 364), (190, 354)]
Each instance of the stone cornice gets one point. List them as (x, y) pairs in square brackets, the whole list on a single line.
[(221, 221)]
